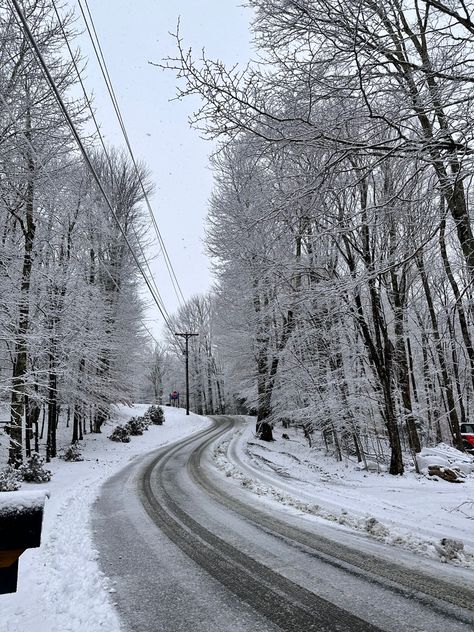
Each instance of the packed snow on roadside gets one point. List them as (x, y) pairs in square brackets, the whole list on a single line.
[(60, 586), (416, 512)]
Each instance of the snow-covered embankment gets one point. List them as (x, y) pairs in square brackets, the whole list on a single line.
[(60, 586)]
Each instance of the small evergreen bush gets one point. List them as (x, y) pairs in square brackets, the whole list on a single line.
[(33, 471), (136, 426), (156, 415), (146, 421), (120, 434), (10, 479), (73, 453)]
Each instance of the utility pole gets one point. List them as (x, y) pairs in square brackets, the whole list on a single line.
[(186, 335)]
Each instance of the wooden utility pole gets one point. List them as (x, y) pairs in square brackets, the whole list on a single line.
[(186, 335)]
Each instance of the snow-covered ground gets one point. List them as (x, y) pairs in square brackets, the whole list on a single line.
[(60, 586), (414, 511)]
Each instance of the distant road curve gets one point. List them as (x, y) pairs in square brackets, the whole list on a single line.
[(246, 567)]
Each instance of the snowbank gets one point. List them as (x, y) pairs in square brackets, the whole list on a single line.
[(417, 513)]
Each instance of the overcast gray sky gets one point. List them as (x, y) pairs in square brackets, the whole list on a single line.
[(132, 34)]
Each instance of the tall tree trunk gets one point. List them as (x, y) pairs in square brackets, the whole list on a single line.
[(263, 428), (379, 349), (466, 336), (446, 382), (100, 417), (403, 372), (76, 421), (20, 353), (210, 398), (28, 428), (32, 412), (52, 406), (412, 371)]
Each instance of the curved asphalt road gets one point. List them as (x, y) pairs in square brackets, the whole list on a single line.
[(188, 553)]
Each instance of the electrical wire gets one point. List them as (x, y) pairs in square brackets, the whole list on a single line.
[(92, 32), (117, 287), (108, 81), (24, 25), (106, 153), (56, 190)]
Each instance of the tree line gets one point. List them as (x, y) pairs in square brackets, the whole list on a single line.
[(340, 224), (71, 307)]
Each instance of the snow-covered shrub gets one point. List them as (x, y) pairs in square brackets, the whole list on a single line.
[(146, 421), (136, 426), (156, 415), (120, 434), (376, 528), (73, 453), (10, 479), (33, 471)]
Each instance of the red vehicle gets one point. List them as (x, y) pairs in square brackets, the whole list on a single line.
[(467, 433)]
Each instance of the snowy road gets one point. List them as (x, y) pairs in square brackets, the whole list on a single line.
[(188, 551)]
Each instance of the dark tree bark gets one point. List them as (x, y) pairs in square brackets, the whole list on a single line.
[(445, 380), (52, 408), (20, 354), (398, 295), (377, 342), (457, 295)]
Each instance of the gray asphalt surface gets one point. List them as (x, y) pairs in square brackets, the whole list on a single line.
[(186, 554)]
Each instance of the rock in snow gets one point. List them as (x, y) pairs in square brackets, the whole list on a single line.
[(444, 456)]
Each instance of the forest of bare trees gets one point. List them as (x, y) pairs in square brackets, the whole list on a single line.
[(339, 229), (71, 308), (340, 225)]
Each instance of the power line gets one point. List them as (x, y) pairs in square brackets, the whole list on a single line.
[(14, 121), (106, 153), (84, 153), (108, 82), (107, 271)]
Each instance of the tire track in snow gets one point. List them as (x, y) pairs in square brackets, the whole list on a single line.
[(284, 603), (432, 591)]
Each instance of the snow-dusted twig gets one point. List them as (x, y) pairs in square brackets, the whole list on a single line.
[(469, 504)]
